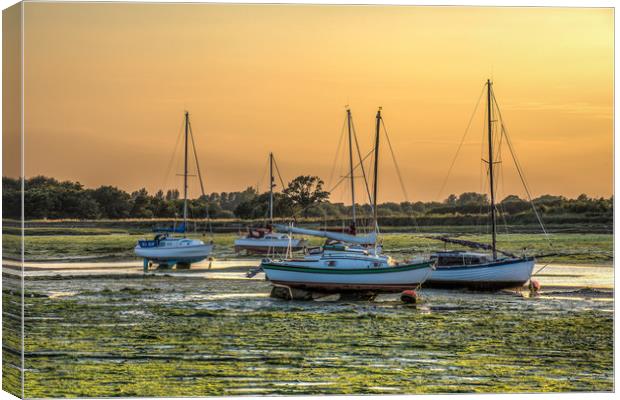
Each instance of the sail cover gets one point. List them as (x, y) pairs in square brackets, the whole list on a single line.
[(178, 229), (370, 239)]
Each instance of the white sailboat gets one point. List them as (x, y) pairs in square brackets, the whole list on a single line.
[(167, 250), (265, 240), (480, 270), (349, 263)]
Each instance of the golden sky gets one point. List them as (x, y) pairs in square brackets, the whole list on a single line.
[(106, 86)]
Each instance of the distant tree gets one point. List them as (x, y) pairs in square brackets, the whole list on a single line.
[(550, 200), (141, 206), (113, 202), (511, 199), (258, 207), (451, 200), (512, 204), (583, 197), (472, 198), (11, 198), (172, 194), (306, 191)]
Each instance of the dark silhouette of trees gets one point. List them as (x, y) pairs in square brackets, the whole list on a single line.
[(304, 196)]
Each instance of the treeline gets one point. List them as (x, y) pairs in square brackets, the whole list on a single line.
[(48, 198)]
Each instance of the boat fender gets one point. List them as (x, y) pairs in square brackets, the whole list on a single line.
[(409, 296), (534, 286)]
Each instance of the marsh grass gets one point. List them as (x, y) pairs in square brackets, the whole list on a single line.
[(94, 243)]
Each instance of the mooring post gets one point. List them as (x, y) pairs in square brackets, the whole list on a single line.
[(145, 265)]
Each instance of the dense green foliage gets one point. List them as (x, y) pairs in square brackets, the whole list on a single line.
[(48, 198)]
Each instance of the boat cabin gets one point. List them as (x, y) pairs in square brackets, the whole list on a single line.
[(459, 258), (163, 240)]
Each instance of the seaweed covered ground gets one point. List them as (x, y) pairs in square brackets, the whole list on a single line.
[(186, 335)]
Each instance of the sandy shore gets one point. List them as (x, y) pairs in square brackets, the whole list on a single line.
[(550, 276)]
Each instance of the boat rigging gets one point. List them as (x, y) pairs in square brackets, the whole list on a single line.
[(165, 249)]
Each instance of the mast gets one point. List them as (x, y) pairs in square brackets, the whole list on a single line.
[(185, 169), (376, 171), (351, 166), (490, 122), (271, 188)]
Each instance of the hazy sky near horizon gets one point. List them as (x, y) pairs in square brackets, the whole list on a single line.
[(106, 86)]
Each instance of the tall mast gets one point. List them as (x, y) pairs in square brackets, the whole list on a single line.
[(376, 172), (185, 169), (270, 188), (351, 165), (490, 122)]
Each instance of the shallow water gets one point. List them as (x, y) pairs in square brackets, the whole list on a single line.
[(187, 335)]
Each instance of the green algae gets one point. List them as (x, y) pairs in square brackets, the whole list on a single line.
[(171, 337)]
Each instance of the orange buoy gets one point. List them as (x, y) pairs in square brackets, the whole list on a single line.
[(409, 296), (534, 286)]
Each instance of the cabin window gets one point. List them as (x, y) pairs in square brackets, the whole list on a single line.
[(331, 263), (448, 261)]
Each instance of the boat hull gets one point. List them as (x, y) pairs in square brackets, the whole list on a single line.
[(383, 279), (185, 254), (492, 276)]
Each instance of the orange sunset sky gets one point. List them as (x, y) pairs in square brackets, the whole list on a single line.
[(106, 86)]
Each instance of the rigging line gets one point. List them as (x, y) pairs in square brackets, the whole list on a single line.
[(400, 177), (487, 208), (174, 152), (525, 185), (202, 188), (278, 172), (262, 178), (471, 118), (354, 168), (540, 270), (483, 171), (337, 184), (331, 175), (359, 155), (500, 171), (483, 174), (191, 135), (520, 171)]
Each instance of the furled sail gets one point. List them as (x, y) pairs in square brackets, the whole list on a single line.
[(470, 244), (370, 239), (178, 229)]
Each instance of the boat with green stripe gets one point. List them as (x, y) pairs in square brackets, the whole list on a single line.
[(348, 261)]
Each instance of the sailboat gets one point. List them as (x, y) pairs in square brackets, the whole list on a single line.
[(265, 240), (348, 262), (165, 249), (476, 270)]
